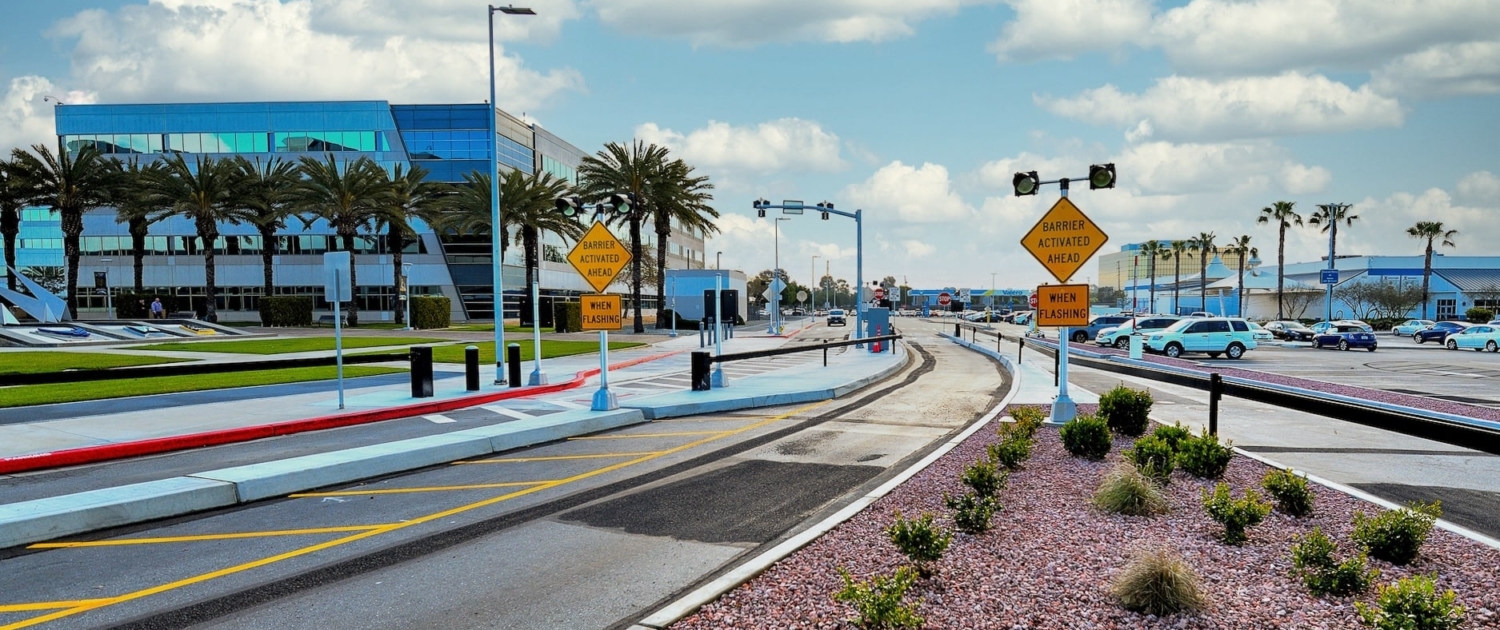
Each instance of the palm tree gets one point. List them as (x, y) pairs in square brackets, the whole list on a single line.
[(133, 208), (11, 203), (683, 198), (528, 203), (267, 199), (1178, 250), (1204, 244), (204, 193), (71, 185), (346, 198), (1153, 250), (407, 196), (1284, 216), (1329, 216), (1240, 246), (1431, 231), (620, 169)]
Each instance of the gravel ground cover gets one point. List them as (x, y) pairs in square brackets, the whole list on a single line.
[(1049, 560)]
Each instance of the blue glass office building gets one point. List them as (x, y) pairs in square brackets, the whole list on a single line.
[(447, 140)]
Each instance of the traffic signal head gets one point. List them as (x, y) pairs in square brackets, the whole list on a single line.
[(1101, 176), (1026, 183), (622, 202), (825, 216), (569, 206), (760, 207)]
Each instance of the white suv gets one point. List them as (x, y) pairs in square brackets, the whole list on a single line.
[(1229, 336)]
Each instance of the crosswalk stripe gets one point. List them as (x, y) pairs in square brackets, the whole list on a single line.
[(512, 413), (439, 419)]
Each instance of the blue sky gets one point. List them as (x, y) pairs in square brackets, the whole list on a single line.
[(916, 111)]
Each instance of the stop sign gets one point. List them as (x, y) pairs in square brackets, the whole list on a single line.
[(945, 299), (1032, 300), (879, 293)]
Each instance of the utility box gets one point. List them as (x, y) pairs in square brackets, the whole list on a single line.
[(729, 303), (421, 372), (877, 323)]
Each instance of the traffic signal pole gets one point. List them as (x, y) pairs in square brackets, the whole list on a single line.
[(1063, 408)]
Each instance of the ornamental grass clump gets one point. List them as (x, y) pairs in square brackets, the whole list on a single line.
[(1173, 435), (1027, 420), (922, 543), (1290, 490), (1322, 574), (1012, 450), (1126, 491), (1153, 458), (879, 601), (1412, 604), (971, 512), (1157, 582), (1086, 436), (1234, 514), (1204, 456), (1126, 410), (984, 478), (1396, 536)]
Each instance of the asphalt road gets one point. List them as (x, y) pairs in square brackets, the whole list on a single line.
[(591, 532)]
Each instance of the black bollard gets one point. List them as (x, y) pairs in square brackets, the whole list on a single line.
[(702, 381), (1215, 392), (421, 371), (513, 363), (471, 368)]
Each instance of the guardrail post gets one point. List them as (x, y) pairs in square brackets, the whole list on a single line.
[(513, 362), (1215, 392), (958, 332), (701, 379), (825, 353), (471, 368)]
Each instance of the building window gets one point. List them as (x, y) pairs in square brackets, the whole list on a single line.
[(327, 141)]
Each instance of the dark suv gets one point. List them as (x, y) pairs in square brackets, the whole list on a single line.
[(1081, 335)]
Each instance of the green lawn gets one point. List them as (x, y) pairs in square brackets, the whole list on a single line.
[(550, 349), (289, 344), (41, 361), (97, 390)]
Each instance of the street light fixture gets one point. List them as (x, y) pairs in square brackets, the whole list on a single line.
[(495, 222)]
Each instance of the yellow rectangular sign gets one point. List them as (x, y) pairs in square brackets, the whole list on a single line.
[(599, 256), (1064, 240), (602, 312), (1062, 305)]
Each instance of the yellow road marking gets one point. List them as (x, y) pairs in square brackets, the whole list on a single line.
[(201, 537), (554, 458), (12, 608), (477, 486), (649, 435), (87, 605)]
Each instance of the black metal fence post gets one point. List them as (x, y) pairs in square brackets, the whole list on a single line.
[(1215, 392), (471, 368), (1056, 363), (513, 363)]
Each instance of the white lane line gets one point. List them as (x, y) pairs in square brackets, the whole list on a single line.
[(567, 404), (440, 419), (512, 413)]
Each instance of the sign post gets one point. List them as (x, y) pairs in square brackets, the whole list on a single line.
[(1063, 240), (599, 257), (719, 380), (336, 289)]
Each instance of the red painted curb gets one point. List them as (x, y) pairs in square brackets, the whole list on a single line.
[(106, 452)]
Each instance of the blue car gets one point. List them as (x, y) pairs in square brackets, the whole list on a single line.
[(1439, 332), (1344, 337)]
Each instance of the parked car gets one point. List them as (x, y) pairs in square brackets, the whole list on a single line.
[(1200, 314), (1229, 336), (1439, 332), (1290, 330), (1022, 318), (1119, 336), (836, 317), (1411, 326), (1261, 334), (1480, 337), (1080, 335), (1323, 327), (1345, 336)]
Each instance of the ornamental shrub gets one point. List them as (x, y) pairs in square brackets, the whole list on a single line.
[(1479, 315), (984, 478), (878, 601), (1204, 456), (1126, 410), (1173, 435), (1157, 582), (1313, 561), (1027, 421), (430, 311), (1086, 436), (1126, 491), (1152, 457), (1011, 451), (1396, 536), (567, 316), (1235, 514), (971, 512), (1290, 490), (1412, 604), (282, 311), (919, 540)]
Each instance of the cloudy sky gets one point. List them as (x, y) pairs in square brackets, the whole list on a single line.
[(917, 111)]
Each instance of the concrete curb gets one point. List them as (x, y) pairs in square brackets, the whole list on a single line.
[(690, 603), (45, 519)]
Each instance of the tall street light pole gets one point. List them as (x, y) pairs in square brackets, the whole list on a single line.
[(813, 304), (1335, 212), (718, 260), (775, 274), (499, 264)]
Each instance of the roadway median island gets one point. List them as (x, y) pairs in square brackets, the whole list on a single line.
[(42, 362), (288, 345), (124, 386)]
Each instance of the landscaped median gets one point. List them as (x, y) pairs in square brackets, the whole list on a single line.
[(25, 395), (287, 345), (39, 362), (1057, 554)]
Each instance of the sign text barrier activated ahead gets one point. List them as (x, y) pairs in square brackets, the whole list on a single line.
[(1062, 305), (1064, 240), (599, 257), (602, 312)]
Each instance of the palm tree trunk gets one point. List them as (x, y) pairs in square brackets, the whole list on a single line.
[(395, 241), (72, 227), (268, 259), (1203, 280), (635, 269), (529, 249), (1241, 299), (661, 273), (353, 283), (1176, 284), (138, 230), (1152, 291), (10, 229), (1426, 276), (208, 235), (1280, 271)]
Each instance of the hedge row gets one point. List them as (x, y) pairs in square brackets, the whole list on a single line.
[(430, 312), (286, 311)]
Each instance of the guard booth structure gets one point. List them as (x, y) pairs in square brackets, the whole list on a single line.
[(729, 304), (877, 322)]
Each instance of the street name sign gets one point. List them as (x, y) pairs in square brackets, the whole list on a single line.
[(1328, 276), (1064, 240), (1062, 305), (599, 257), (602, 312)]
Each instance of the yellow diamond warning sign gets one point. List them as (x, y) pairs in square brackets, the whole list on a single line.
[(599, 256), (1062, 305), (602, 312), (1064, 240)]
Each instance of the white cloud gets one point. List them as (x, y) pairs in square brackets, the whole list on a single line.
[(914, 194), (1298, 179), (1448, 70), (25, 118), (269, 49), (918, 249), (440, 19), (1062, 29), (735, 23), (1185, 108), (787, 144), (1481, 188), (1234, 167), (1381, 229), (999, 174)]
